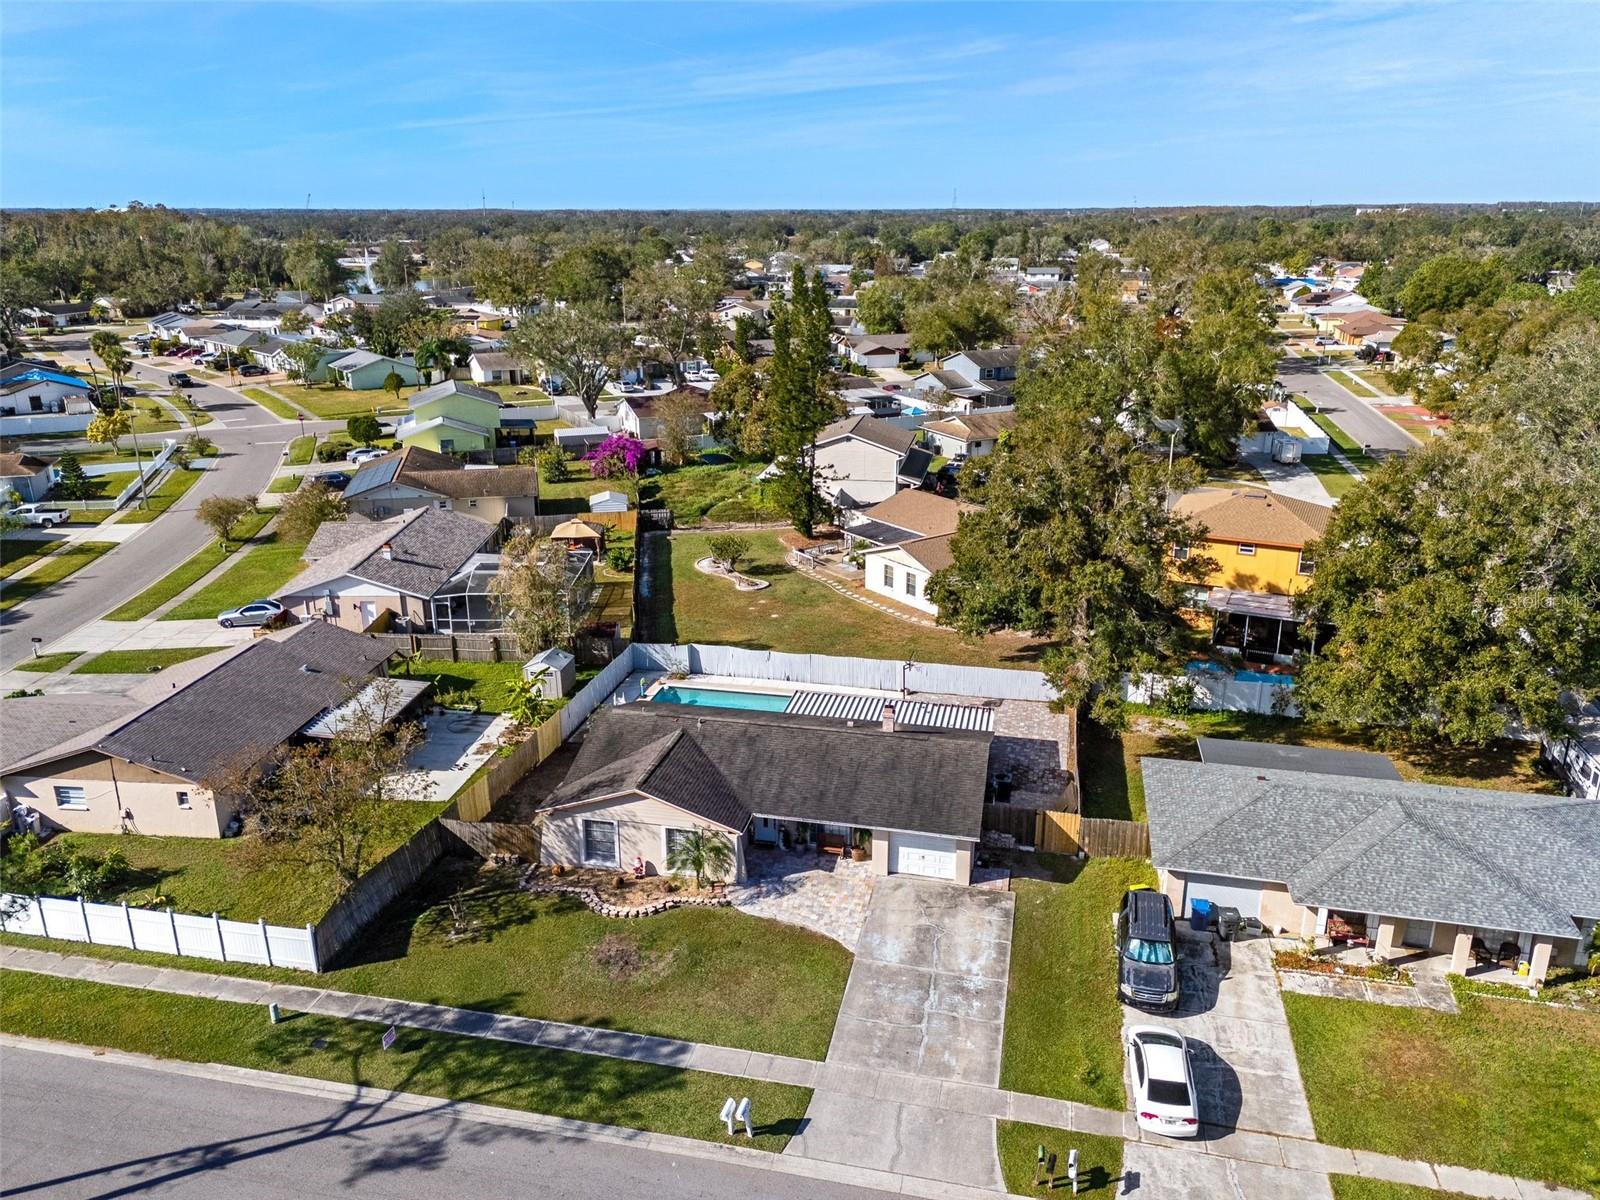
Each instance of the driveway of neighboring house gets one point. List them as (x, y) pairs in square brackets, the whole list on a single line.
[(926, 997), (1243, 1058)]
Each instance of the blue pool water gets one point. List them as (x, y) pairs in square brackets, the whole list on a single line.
[(717, 698), (1211, 668)]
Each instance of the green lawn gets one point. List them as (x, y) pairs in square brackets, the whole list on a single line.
[(153, 416), (337, 404), (715, 492), (1099, 1159), (1352, 448), (138, 662), (584, 1087), (1502, 1086), (185, 575), (104, 487), (301, 448), (284, 483), (234, 876), (1114, 787), (162, 497), (1356, 1187), (53, 570), (45, 663), (796, 614), (1063, 1031), (1382, 380), (269, 402), (16, 553), (1344, 380), (489, 682), (712, 975), (1330, 472), (256, 573)]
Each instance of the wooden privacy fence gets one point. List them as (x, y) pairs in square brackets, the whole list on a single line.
[(488, 838), (475, 800), (1098, 837), (1018, 820)]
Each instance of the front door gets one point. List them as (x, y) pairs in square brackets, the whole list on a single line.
[(835, 838), (766, 831)]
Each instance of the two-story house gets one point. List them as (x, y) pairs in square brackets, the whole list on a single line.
[(861, 460), (451, 417)]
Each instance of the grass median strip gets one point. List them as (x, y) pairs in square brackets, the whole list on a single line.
[(300, 450), (15, 553), (161, 497), (1352, 448), (269, 402), (186, 574), (52, 571), (1099, 1159), (45, 663), (557, 1083), (284, 483), (257, 572), (138, 662)]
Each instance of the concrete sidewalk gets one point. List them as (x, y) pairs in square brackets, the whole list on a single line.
[(1288, 1167)]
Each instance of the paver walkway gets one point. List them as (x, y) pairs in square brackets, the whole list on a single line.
[(826, 894), (1276, 1163)]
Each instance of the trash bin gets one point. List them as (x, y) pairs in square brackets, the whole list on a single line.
[(1228, 922), (1199, 915)]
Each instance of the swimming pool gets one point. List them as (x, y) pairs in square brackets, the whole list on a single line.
[(1211, 668), (719, 698)]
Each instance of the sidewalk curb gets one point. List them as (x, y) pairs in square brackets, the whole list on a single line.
[(906, 1185)]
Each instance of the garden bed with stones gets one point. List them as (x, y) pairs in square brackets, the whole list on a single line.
[(639, 898), (710, 566)]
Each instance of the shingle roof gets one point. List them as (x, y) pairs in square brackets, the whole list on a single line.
[(13, 465), (1255, 516), (428, 546), (1000, 356), (1496, 860), (452, 387), (918, 512), (62, 723), (869, 429), (443, 475), (979, 424), (239, 709), (779, 765), (1355, 763)]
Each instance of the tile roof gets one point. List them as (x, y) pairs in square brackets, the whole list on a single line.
[(1255, 516), (781, 765), (1496, 860), (428, 546)]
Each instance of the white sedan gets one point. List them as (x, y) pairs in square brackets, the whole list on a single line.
[(1163, 1084)]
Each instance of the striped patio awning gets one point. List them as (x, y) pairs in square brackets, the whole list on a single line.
[(842, 706)]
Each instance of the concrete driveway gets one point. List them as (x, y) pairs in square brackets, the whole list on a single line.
[(1243, 1058), (927, 994)]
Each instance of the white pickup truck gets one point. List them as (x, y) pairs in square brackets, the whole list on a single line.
[(43, 515)]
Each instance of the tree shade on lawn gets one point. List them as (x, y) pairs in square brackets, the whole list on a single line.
[(186, 574), (584, 1087)]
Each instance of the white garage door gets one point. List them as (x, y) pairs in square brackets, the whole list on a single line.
[(1223, 892), (919, 854)]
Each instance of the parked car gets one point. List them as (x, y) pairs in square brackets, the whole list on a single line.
[(1147, 951), (181, 379), (254, 369), (890, 387), (43, 515), (335, 481), (257, 612), (364, 454), (1323, 341), (1163, 1084)]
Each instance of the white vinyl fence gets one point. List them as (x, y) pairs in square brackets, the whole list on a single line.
[(1217, 692), (160, 930), (148, 477)]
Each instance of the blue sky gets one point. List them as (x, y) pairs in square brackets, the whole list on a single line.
[(757, 105)]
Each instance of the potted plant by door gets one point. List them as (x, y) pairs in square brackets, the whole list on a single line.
[(862, 850)]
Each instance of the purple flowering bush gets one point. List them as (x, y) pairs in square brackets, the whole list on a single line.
[(617, 456)]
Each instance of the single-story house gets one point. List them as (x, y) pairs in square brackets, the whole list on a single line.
[(495, 366), (451, 417), (877, 350), (38, 390), (650, 773), (362, 369), (973, 433), (861, 460), (1406, 867), (58, 315), (29, 477), (148, 762), (358, 570), (908, 514), (641, 416), (901, 571), (417, 478)]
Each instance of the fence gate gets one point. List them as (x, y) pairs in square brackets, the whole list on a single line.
[(1058, 832)]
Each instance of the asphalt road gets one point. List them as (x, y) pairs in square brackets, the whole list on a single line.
[(250, 444), (1356, 417), (78, 1128)]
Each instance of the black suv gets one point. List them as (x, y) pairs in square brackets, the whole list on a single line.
[(1147, 952)]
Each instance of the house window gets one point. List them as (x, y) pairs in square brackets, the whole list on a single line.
[(600, 843), (1306, 565), (71, 797), (911, 584), (1247, 550), (1180, 553), (472, 504), (888, 575), (183, 800), (673, 838)]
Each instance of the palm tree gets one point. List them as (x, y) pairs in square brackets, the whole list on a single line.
[(702, 853)]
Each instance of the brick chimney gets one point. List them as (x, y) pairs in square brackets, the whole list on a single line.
[(888, 716)]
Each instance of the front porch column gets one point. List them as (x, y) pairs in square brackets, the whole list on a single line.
[(1539, 960), (880, 851), (1443, 937), (1461, 952), (1387, 945)]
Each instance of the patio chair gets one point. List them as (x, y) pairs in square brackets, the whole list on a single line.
[(1508, 955), (1480, 952)]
